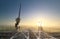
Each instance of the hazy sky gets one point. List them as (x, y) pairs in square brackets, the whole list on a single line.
[(47, 12)]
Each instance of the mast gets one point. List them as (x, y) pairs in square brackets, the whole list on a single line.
[(19, 11), (18, 18)]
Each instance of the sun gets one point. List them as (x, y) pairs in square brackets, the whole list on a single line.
[(39, 24)]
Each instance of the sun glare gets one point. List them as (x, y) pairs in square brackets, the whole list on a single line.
[(39, 24)]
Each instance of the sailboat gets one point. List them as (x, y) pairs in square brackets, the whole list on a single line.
[(29, 34)]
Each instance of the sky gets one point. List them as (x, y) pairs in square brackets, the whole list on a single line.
[(44, 12)]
